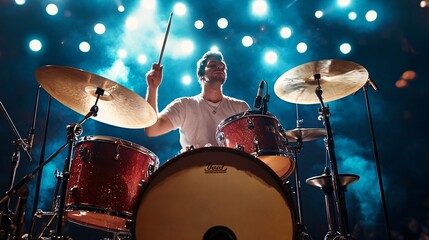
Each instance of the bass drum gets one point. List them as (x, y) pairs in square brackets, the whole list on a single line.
[(214, 193)]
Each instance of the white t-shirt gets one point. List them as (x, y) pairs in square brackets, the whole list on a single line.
[(197, 121)]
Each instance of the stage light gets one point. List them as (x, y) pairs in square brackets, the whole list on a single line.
[(270, 57), (318, 14), (149, 4), (343, 3), (259, 7), (186, 80), (121, 8), (345, 48), (187, 47), (214, 49), (132, 23), (52, 9), (122, 53), (222, 23), (142, 59), (352, 16), (424, 3), (247, 41), (180, 9), (301, 47), (35, 45), (99, 28), (285, 32), (199, 24), (84, 47), (20, 2), (371, 15)]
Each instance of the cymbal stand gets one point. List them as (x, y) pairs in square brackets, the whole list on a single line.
[(73, 131), (340, 199), (301, 235)]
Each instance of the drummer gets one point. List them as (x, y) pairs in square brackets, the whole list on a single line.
[(196, 117)]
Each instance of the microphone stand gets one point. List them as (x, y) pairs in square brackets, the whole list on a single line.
[(377, 162), (340, 199)]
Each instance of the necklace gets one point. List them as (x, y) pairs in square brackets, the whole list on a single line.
[(214, 109)]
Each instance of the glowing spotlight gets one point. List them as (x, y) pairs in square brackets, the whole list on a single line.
[(301, 47), (270, 57), (35, 45), (424, 3), (99, 28), (52, 9), (345, 48), (247, 41), (180, 9), (352, 16), (132, 23), (84, 47), (222, 23), (259, 7), (142, 59), (121, 8), (186, 79), (187, 47), (401, 83), (343, 3), (122, 53), (149, 4), (20, 2), (285, 32), (214, 49), (199, 24), (318, 14), (371, 15), (409, 75)]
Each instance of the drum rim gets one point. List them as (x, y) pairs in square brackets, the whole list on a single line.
[(125, 143), (234, 117), (285, 191)]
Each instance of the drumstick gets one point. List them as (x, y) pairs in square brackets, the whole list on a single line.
[(165, 39)]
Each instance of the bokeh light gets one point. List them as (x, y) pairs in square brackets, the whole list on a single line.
[(352, 16), (247, 41), (199, 24), (35, 45), (222, 23), (270, 57), (345, 48), (52, 9), (371, 16), (259, 7), (285, 32), (318, 14), (84, 47), (301, 47), (180, 9), (99, 28)]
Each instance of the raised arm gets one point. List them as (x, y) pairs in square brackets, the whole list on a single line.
[(154, 79)]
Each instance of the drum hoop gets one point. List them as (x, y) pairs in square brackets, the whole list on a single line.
[(242, 115), (121, 142), (285, 191)]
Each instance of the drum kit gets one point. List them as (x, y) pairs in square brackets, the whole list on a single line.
[(237, 190)]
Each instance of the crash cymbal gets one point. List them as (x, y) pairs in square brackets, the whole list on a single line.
[(75, 88), (305, 134), (325, 181), (338, 79)]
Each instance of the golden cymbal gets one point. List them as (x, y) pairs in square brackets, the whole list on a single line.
[(305, 134), (76, 89), (338, 79)]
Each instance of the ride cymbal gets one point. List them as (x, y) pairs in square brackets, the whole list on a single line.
[(338, 79), (325, 181), (76, 89), (305, 134)]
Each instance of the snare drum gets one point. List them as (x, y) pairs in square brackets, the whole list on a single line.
[(260, 135), (105, 178), (214, 191)]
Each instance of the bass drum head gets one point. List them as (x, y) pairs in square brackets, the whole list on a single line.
[(214, 191)]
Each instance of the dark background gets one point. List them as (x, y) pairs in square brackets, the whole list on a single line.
[(395, 43)]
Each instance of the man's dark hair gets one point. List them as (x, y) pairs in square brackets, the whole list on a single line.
[(201, 64)]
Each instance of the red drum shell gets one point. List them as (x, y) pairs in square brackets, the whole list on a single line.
[(105, 178)]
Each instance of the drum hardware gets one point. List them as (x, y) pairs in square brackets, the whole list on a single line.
[(260, 103), (324, 182)]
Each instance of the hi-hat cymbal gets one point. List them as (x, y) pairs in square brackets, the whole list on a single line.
[(338, 79), (325, 181), (76, 89), (305, 134)]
